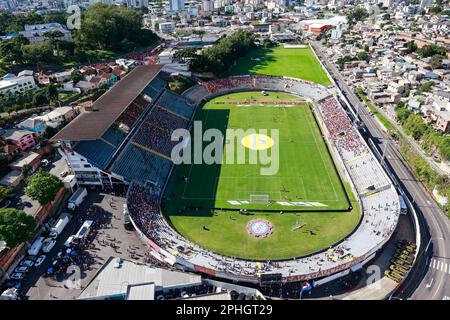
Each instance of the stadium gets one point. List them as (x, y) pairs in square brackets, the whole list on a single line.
[(328, 209)]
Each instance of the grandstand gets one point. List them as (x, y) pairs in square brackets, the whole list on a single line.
[(135, 163), (126, 135), (178, 104)]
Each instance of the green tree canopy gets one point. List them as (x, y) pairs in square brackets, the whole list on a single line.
[(4, 168), (5, 192), (110, 27), (357, 14), (15, 226), (219, 57), (411, 46), (43, 187), (76, 76), (431, 50)]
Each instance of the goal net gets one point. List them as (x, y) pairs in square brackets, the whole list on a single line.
[(259, 198)]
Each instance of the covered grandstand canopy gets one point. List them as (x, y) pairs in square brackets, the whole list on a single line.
[(91, 125)]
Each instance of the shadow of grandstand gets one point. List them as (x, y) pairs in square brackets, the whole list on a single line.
[(192, 187)]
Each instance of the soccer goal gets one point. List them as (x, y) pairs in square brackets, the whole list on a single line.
[(259, 198)]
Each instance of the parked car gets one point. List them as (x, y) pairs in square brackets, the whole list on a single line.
[(17, 276), (27, 263), (63, 174), (48, 245), (39, 260), (22, 269)]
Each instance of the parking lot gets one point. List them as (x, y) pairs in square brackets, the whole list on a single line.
[(108, 239)]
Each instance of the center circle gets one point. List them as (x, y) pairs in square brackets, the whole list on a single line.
[(257, 141), (259, 228)]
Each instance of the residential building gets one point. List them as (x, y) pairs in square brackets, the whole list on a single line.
[(23, 139), (14, 84)]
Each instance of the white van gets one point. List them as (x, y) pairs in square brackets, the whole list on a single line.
[(36, 246)]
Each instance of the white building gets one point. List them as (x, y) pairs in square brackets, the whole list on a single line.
[(13, 84), (57, 116), (167, 27)]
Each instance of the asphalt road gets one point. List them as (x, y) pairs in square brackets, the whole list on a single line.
[(430, 277)]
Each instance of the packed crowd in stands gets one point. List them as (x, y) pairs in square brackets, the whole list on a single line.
[(143, 57), (132, 113), (165, 119), (340, 127), (156, 131), (257, 82), (256, 102)]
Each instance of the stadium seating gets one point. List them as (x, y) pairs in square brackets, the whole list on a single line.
[(133, 111), (175, 103), (340, 127), (154, 88), (135, 163), (156, 131), (114, 136), (97, 152)]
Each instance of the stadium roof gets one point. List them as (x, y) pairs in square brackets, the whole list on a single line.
[(91, 125), (135, 281)]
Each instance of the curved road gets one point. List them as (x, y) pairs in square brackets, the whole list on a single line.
[(430, 277)]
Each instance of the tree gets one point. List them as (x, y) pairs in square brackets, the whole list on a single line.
[(267, 43), (436, 61), (107, 26), (411, 46), (362, 55), (186, 54), (5, 192), (26, 170), (200, 33), (43, 187), (357, 14), (221, 56), (49, 132), (52, 92), (15, 226), (436, 9), (76, 76), (426, 86), (37, 54), (4, 168), (402, 114), (431, 50), (54, 38)]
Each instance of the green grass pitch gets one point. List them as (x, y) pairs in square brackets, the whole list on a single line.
[(279, 61), (306, 174)]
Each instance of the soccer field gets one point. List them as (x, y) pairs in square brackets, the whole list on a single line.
[(306, 182), (293, 62)]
